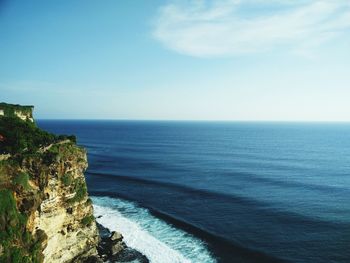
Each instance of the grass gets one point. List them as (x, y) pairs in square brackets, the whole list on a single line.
[(86, 221), (12, 227), (22, 179), (25, 137), (19, 246), (21, 136), (67, 179), (80, 189)]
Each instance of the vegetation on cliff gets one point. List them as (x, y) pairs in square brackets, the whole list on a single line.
[(25, 137), (29, 157), (11, 109), (16, 241)]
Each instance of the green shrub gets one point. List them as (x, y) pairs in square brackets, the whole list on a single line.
[(16, 255), (80, 193), (18, 244), (25, 137), (89, 201), (86, 221), (80, 190), (12, 229), (67, 179), (72, 138), (15, 222), (23, 180), (8, 203), (21, 136), (49, 157)]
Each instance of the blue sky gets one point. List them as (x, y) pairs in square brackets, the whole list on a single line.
[(177, 59)]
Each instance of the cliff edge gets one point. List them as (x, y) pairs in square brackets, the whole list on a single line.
[(15, 110), (45, 212)]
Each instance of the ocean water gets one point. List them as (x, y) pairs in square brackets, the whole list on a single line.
[(221, 191)]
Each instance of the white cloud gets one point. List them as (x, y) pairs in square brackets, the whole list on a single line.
[(207, 28)]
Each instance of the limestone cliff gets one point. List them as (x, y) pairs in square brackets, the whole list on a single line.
[(22, 112), (65, 213), (45, 212)]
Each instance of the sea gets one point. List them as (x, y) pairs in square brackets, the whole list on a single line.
[(202, 192)]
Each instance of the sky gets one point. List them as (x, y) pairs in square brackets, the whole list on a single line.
[(250, 60)]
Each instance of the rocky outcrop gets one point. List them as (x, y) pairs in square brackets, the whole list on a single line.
[(65, 213), (46, 215), (23, 112), (51, 192), (45, 211), (24, 115), (113, 249)]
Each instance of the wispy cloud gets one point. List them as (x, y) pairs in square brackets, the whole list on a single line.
[(206, 28)]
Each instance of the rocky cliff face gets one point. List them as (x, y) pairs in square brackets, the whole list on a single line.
[(65, 213), (46, 215), (22, 112), (45, 212)]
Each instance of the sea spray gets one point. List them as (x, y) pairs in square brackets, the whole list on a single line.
[(159, 241)]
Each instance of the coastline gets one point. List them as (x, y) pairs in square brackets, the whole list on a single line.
[(112, 248), (220, 249), (157, 239), (119, 159)]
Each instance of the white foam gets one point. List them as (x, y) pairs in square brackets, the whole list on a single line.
[(157, 240)]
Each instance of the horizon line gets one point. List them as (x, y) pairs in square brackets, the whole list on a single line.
[(193, 120)]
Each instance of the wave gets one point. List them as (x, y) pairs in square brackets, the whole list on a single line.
[(156, 239), (185, 237), (322, 189), (289, 183), (183, 188), (225, 244), (235, 198)]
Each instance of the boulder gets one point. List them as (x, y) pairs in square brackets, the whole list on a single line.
[(117, 247), (115, 236)]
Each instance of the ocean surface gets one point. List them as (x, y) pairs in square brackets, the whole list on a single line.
[(221, 191)]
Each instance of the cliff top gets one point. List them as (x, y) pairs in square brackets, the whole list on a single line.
[(11, 108), (20, 136), (42, 174), (15, 110)]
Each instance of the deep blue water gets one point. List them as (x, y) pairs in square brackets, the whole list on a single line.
[(252, 192)]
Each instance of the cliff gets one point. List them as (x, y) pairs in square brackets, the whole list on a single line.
[(14, 110), (45, 212), (65, 213)]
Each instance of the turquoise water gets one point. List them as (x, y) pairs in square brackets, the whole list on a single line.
[(234, 192)]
